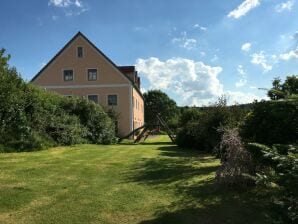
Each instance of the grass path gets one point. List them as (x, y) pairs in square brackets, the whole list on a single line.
[(155, 182)]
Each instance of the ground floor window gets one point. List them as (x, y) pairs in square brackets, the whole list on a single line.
[(93, 98)]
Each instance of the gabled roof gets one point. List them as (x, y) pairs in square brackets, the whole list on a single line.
[(99, 51)]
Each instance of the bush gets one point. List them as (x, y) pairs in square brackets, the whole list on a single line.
[(31, 118), (280, 168), (271, 122), (237, 166), (100, 127), (201, 129)]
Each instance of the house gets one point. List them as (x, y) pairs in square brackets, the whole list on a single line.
[(81, 69)]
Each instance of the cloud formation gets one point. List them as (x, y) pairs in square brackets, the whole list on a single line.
[(262, 60), (198, 26), (289, 55), (242, 98), (243, 8), (185, 42), (194, 81), (284, 6), (243, 78), (246, 47), (70, 7)]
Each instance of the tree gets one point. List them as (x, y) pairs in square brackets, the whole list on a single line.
[(157, 102), (283, 90)]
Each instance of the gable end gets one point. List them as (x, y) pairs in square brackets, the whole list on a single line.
[(98, 51)]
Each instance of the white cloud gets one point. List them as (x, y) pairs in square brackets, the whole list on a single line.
[(289, 55), (185, 42), (61, 3), (246, 47), (243, 78), (70, 7), (262, 60), (284, 6), (143, 90), (244, 8), (240, 70), (198, 26), (241, 83), (242, 98), (194, 81), (78, 3)]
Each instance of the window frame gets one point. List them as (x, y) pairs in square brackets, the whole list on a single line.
[(88, 74), (78, 52), (63, 74), (116, 100), (97, 95)]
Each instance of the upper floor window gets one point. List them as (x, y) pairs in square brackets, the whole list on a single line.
[(93, 98), (92, 74), (68, 75), (112, 100), (80, 52)]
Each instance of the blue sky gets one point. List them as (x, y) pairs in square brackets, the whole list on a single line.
[(194, 50)]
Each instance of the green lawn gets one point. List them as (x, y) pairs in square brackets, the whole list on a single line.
[(155, 182)]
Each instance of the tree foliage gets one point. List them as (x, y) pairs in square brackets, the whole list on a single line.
[(200, 129), (280, 168), (157, 102), (271, 122), (31, 118), (284, 90)]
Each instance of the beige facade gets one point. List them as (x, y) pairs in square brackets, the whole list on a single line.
[(81, 69)]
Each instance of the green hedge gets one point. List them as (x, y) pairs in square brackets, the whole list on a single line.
[(271, 122), (200, 129), (32, 118)]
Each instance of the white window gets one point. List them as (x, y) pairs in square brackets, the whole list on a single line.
[(68, 75)]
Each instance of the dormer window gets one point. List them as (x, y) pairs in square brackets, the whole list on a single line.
[(80, 52)]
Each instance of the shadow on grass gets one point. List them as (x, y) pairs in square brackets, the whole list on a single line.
[(191, 175), (216, 205), (156, 143)]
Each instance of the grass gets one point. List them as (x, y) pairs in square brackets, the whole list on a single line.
[(154, 182)]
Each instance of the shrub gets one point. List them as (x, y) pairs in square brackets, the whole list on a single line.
[(100, 127), (189, 115), (237, 167), (280, 167), (201, 129), (66, 130), (31, 118), (271, 122)]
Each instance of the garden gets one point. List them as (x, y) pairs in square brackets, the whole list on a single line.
[(59, 161)]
